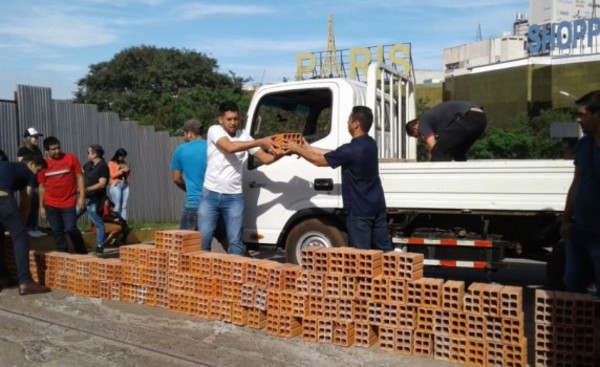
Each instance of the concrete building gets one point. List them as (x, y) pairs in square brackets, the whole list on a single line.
[(524, 70), (555, 11), (555, 27)]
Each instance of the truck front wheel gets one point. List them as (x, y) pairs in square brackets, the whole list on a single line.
[(312, 232)]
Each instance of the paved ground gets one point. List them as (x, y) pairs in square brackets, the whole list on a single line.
[(59, 329)]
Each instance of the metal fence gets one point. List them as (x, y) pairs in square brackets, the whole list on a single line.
[(153, 197)]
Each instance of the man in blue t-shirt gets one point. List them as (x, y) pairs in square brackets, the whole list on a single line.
[(362, 192), (21, 177), (188, 168), (581, 217)]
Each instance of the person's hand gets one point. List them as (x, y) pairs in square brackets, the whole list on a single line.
[(81, 203), (269, 145), (290, 147), (42, 212), (124, 168)]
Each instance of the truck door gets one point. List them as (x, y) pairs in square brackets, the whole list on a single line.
[(274, 193)]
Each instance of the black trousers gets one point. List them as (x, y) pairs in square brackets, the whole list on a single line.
[(454, 142), (10, 219)]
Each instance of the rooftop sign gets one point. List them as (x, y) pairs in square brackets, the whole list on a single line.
[(563, 36), (355, 61)]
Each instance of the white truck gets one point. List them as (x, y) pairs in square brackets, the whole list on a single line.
[(456, 213)]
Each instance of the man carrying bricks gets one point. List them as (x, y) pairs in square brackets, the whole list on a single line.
[(362, 192), (222, 193), (582, 209)]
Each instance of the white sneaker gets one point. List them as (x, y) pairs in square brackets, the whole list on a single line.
[(42, 234), (36, 234)]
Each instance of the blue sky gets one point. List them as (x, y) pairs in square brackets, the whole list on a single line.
[(51, 43)]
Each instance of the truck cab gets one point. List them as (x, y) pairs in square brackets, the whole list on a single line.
[(293, 203)]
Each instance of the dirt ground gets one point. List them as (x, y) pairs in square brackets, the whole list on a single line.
[(59, 329)]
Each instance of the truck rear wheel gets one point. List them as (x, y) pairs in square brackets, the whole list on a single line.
[(312, 232)]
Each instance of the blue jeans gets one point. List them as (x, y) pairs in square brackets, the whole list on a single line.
[(63, 220), (10, 219), (582, 263), (96, 219), (189, 219), (119, 194), (368, 232), (32, 220), (228, 207)]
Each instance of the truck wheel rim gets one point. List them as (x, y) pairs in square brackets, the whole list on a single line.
[(312, 239)]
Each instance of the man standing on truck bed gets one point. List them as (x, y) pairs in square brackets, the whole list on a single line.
[(449, 129), (582, 209), (222, 195), (362, 192)]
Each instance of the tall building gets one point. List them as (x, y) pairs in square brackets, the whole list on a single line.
[(557, 49), (555, 11)]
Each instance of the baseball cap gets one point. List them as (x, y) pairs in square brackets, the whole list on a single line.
[(32, 132), (192, 125)]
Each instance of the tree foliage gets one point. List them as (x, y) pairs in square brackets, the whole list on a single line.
[(526, 138), (160, 86)]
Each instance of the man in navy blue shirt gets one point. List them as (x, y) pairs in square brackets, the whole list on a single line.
[(582, 209), (18, 176), (362, 193)]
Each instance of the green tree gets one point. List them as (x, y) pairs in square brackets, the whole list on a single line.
[(525, 138), (160, 86)]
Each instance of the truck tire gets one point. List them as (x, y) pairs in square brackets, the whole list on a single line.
[(312, 232), (555, 267)]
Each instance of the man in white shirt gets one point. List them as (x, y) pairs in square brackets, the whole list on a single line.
[(222, 193)]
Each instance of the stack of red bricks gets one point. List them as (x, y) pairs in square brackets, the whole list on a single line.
[(564, 329), (368, 296), (340, 296)]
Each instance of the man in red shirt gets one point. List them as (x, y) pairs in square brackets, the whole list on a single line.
[(61, 194)]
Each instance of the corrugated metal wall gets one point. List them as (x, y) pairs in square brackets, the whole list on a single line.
[(153, 197)]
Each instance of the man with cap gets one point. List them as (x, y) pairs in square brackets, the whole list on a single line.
[(31, 146), (187, 171)]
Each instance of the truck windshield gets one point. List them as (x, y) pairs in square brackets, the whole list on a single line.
[(302, 111)]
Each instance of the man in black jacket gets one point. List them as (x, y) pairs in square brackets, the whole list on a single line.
[(21, 177), (449, 129)]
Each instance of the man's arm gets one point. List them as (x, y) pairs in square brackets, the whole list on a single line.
[(315, 156), (570, 204), (25, 205), (430, 142), (177, 178), (81, 190), (240, 146), (42, 195), (266, 158), (98, 186)]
